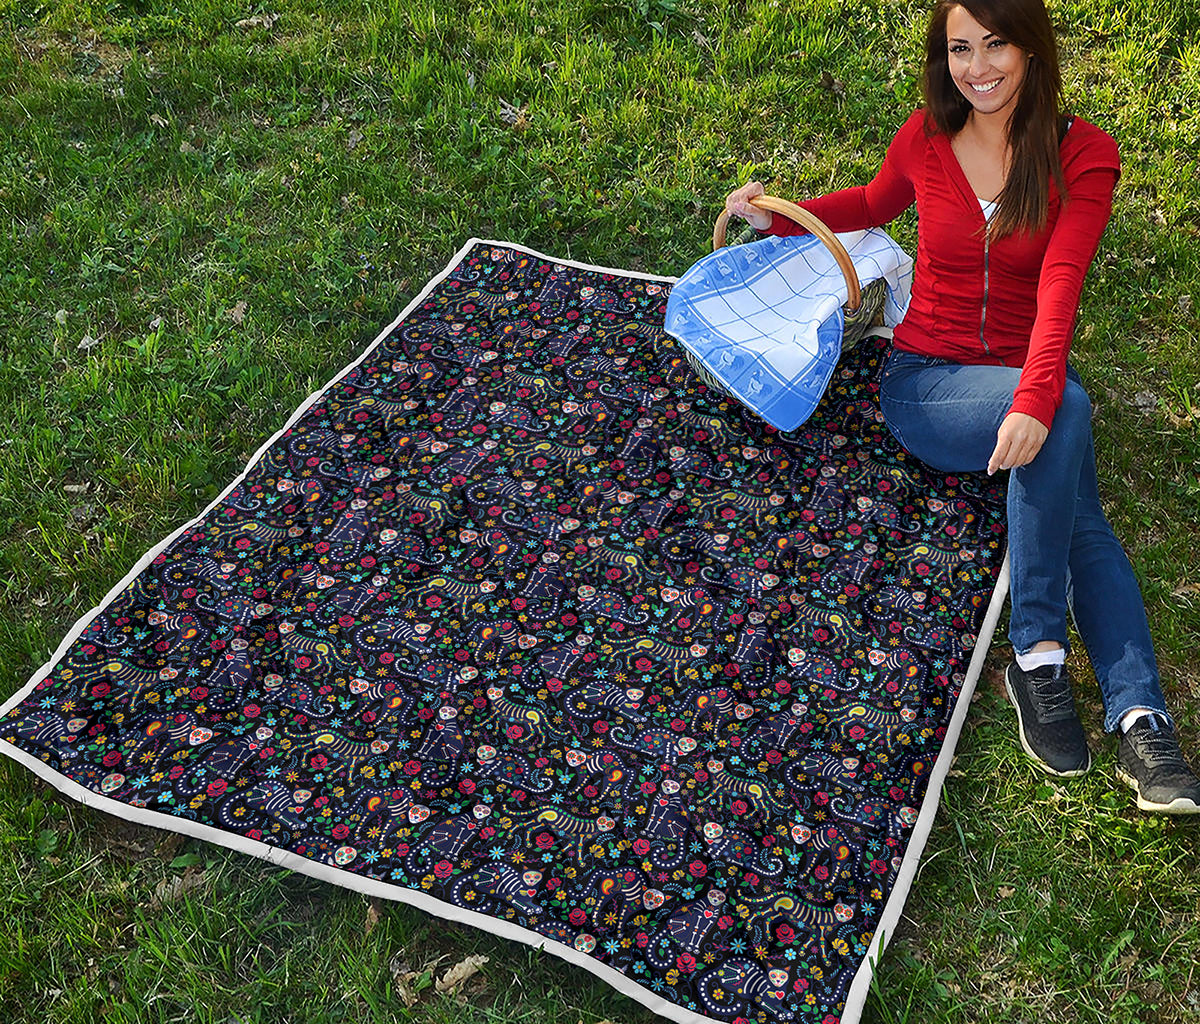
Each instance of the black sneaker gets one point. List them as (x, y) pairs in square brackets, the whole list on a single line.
[(1051, 732), (1149, 760)]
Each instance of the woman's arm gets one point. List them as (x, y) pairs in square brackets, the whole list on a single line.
[(1072, 247)]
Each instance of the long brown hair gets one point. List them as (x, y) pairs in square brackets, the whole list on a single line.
[(1036, 124)]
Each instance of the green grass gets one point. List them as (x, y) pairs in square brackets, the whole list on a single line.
[(160, 167)]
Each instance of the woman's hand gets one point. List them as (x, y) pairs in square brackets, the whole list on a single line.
[(737, 204), (1018, 441)]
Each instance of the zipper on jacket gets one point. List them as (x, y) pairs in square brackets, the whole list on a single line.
[(983, 309)]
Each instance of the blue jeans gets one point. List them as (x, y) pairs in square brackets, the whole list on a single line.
[(1062, 549)]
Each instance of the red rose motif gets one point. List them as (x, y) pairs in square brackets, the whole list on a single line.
[(686, 963), (443, 869), (340, 831), (577, 917), (698, 869), (217, 787), (785, 934)]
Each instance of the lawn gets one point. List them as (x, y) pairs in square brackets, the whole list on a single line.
[(207, 209)]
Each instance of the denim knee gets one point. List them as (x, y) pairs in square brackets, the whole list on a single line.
[(1072, 423)]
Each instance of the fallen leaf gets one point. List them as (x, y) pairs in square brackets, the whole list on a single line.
[(354, 139), (1146, 401), (374, 913), (158, 120), (460, 972), (186, 147), (257, 21), (76, 488), (514, 116), (156, 323), (831, 84), (169, 846), (238, 312), (1006, 891), (171, 889), (87, 341), (404, 976), (60, 317)]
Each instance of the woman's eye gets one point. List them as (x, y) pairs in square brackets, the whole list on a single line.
[(996, 43), (958, 48)]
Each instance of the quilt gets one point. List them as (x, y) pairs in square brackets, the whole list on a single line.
[(517, 622)]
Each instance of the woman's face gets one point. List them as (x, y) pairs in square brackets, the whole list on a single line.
[(987, 69)]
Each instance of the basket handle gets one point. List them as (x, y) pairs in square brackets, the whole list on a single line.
[(806, 220)]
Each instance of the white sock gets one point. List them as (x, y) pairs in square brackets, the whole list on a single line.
[(1036, 659), (1130, 717)]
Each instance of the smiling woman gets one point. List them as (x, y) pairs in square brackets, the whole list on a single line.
[(997, 89), (1012, 197)]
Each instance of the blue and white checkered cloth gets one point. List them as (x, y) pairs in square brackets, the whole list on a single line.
[(766, 320)]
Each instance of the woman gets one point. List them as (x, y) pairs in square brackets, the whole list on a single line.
[(1012, 198)]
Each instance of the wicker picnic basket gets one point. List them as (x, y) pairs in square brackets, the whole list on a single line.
[(863, 307)]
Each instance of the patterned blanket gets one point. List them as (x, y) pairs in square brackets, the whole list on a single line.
[(517, 622)]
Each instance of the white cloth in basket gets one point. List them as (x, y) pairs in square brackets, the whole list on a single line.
[(765, 319)]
